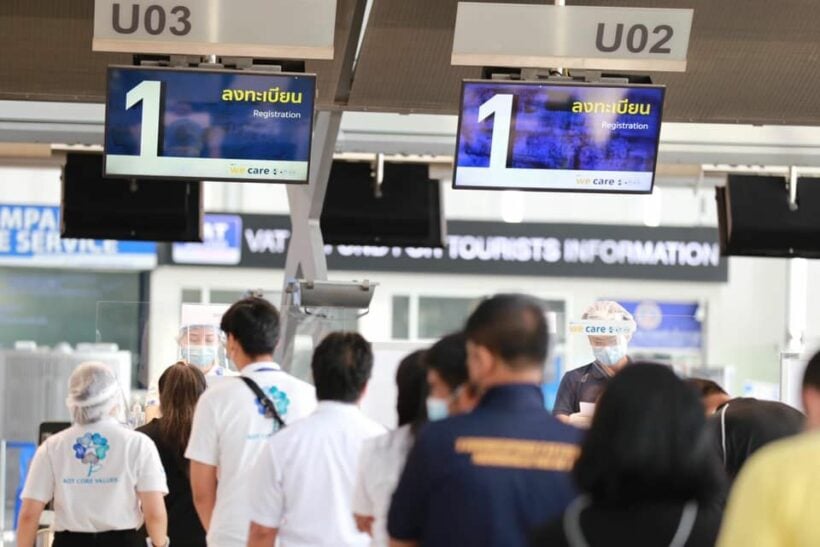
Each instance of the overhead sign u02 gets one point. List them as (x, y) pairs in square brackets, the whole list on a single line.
[(581, 37)]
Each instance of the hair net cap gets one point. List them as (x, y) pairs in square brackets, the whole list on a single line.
[(609, 310), (93, 393)]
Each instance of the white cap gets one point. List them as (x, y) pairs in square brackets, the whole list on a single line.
[(93, 393), (609, 310)]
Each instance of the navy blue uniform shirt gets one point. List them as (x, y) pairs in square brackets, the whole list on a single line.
[(582, 385), (487, 478)]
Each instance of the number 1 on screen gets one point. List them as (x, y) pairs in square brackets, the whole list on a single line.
[(149, 93), (501, 108)]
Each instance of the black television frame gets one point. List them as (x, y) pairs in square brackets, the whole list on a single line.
[(441, 224), (310, 76), (556, 84), (200, 196)]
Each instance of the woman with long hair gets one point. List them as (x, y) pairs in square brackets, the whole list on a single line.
[(647, 473), (382, 458), (180, 387)]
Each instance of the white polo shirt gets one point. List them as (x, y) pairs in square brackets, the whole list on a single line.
[(94, 472), (229, 432), (303, 481), (380, 465)]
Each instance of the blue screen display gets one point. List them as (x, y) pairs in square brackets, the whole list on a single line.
[(569, 137), (203, 124)]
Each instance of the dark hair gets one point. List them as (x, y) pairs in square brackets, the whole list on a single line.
[(648, 442), (513, 327), (180, 387), (254, 322), (448, 357), (705, 387), (411, 380), (811, 378), (341, 367)]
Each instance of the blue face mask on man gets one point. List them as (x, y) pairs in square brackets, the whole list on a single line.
[(437, 409), (611, 355)]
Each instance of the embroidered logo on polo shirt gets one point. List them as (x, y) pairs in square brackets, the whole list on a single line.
[(91, 449), (280, 400), (518, 454)]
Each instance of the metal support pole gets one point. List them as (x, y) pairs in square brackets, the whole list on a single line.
[(3, 471), (797, 279), (793, 179), (306, 250), (797, 282)]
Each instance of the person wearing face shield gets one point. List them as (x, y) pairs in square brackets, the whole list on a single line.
[(585, 384), (105, 479), (200, 346)]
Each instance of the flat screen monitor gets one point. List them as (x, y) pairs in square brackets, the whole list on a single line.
[(404, 211), (95, 207), (47, 429), (208, 124), (569, 137), (755, 217)]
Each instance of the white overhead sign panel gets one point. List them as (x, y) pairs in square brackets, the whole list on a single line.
[(281, 29), (582, 37)]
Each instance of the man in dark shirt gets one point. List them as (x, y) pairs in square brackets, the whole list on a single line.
[(490, 477), (585, 384)]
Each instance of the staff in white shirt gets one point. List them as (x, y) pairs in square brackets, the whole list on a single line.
[(303, 481), (104, 478), (231, 424)]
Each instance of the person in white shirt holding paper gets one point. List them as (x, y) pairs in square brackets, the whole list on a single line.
[(232, 422), (105, 479), (303, 481)]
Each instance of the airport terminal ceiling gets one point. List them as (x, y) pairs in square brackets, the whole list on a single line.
[(750, 61)]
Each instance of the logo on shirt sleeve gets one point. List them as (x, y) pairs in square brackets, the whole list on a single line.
[(280, 401), (91, 449)]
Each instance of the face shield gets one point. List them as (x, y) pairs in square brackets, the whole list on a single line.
[(202, 346), (94, 394), (608, 327)]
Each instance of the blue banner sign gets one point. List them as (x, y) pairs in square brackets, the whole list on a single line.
[(222, 244), (30, 236), (666, 325)]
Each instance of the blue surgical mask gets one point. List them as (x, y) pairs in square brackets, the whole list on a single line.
[(610, 355), (437, 409), (200, 356)]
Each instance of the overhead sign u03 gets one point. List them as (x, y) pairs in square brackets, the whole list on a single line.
[(277, 29)]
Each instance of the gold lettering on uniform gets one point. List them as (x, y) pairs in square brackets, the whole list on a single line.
[(518, 454)]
